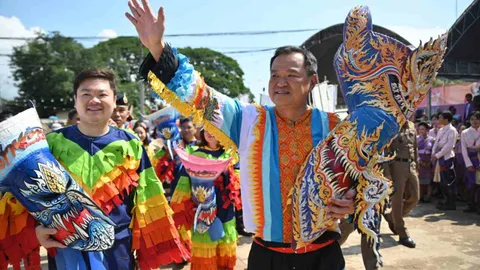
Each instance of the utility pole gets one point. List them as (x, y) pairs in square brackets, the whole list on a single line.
[(429, 104), (142, 87)]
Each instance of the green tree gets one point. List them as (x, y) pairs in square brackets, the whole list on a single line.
[(44, 70), (219, 71), (45, 67), (124, 56)]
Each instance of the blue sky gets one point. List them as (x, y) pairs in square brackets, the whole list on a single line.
[(413, 19)]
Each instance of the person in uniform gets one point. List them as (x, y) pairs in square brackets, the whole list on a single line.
[(121, 114), (405, 181), (425, 168)]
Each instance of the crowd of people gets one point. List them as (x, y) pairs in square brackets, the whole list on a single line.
[(131, 171), (176, 182), (435, 160), (440, 155), (447, 146), (446, 170), (88, 125)]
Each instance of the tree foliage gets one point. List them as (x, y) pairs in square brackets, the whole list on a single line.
[(45, 67), (44, 70), (218, 70)]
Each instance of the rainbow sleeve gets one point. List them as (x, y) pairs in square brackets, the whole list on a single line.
[(18, 241), (191, 96), (115, 166), (155, 237)]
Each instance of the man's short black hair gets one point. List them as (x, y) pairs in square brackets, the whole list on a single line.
[(310, 62), (447, 115), (476, 114), (469, 95), (71, 114), (95, 73), (185, 120)]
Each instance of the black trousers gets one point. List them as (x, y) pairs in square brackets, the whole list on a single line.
[(327, 258), (448, 177)]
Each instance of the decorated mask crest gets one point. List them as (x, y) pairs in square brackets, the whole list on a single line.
[(383, 81), (165, 122)]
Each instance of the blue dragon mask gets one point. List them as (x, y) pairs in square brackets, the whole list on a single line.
[(383, 82)]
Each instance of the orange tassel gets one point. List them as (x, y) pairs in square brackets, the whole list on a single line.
[(110, 195), (18, 241)]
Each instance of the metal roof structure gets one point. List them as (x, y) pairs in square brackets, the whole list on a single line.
[(462, 59)]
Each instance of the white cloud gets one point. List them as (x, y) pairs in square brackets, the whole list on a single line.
[(11, 27), (415, 34), (108, 33)]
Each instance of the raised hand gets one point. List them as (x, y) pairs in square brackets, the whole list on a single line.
[(149, 28)]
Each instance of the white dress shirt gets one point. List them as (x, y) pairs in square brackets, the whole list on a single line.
[(445, 143), (432, 133), (470, 137)]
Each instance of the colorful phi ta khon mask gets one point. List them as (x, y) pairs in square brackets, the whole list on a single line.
[(165, 122), (30, 172), (383, 81), (203, 172)]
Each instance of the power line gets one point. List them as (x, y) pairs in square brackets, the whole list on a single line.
[(250, 51), (238, 33), (242, 33), (227, 52)]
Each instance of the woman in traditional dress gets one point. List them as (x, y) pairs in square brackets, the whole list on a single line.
[(425, 168)]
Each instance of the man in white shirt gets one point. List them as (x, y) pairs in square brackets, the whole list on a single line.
[(470, 150), (443, 150)]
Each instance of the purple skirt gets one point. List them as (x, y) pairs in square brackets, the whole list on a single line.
[(471, 176), (425, 171)]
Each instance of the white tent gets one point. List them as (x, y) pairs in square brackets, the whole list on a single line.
[(324, 96)]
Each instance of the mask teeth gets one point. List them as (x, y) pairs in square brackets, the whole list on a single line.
[(84, 224), (82, 233), (71, 238), (57, 220)]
